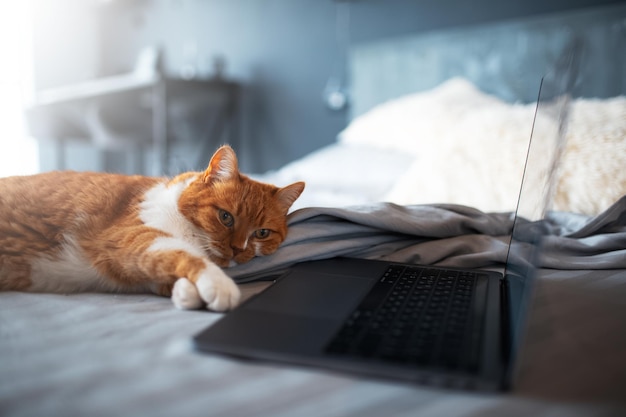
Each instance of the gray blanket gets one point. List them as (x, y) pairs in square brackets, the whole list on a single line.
[(444, 235)]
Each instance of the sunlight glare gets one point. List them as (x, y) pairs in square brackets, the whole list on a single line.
[(18, 151)]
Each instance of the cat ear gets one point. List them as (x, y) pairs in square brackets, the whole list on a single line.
[(288, 195), (223, 165)]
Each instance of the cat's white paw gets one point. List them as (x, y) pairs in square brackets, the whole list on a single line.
[(185, 295), (218, 290)]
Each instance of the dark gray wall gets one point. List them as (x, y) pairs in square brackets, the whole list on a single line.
[(283, 52)]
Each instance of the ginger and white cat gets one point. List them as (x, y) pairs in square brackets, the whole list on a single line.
[(70, 231)]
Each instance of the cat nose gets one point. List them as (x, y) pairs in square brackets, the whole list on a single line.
[(238, 243), (237, 250)]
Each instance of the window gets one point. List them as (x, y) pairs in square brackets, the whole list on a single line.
[(18, 152)]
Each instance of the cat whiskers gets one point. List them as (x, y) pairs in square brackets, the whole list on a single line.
[(208, 246)]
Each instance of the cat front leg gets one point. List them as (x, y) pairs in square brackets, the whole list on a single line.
[(175, 267)]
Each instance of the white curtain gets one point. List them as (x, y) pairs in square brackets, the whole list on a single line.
[(18, 151)]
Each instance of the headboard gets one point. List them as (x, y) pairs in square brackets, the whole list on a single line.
[(505, 59)]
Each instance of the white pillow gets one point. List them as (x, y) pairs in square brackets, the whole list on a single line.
[(484, 154), (470, 148), (411, 122), (478, 161)]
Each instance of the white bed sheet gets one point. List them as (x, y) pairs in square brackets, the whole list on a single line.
[(131, 355)]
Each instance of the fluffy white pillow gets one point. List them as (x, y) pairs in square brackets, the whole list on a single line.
[(479, 162), (410, 122), (593, 173), (470, 148)]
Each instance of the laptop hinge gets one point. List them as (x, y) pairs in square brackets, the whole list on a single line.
[(505, 333)]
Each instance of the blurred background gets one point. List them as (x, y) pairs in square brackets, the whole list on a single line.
[(154, 86)]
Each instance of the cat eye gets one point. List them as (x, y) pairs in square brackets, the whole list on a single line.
[(262, 234), (226, 218)]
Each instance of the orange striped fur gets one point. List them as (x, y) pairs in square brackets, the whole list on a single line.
[(70, 232)]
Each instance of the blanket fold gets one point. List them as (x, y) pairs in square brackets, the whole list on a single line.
[(442, 235)]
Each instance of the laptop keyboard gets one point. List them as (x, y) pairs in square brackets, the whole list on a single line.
[(414, 315)]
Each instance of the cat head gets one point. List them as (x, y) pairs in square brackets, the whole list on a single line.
[(239, 218)]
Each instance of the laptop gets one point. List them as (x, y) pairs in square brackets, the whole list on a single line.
[(447, 327)]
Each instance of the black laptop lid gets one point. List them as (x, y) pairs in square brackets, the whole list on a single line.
[(536, 193)]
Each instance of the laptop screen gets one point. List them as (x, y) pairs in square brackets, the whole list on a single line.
[(538, 187)]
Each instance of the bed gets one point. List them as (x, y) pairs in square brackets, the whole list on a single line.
[(102, 354)]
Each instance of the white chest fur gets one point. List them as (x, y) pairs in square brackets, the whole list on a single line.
[(159, 210)]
